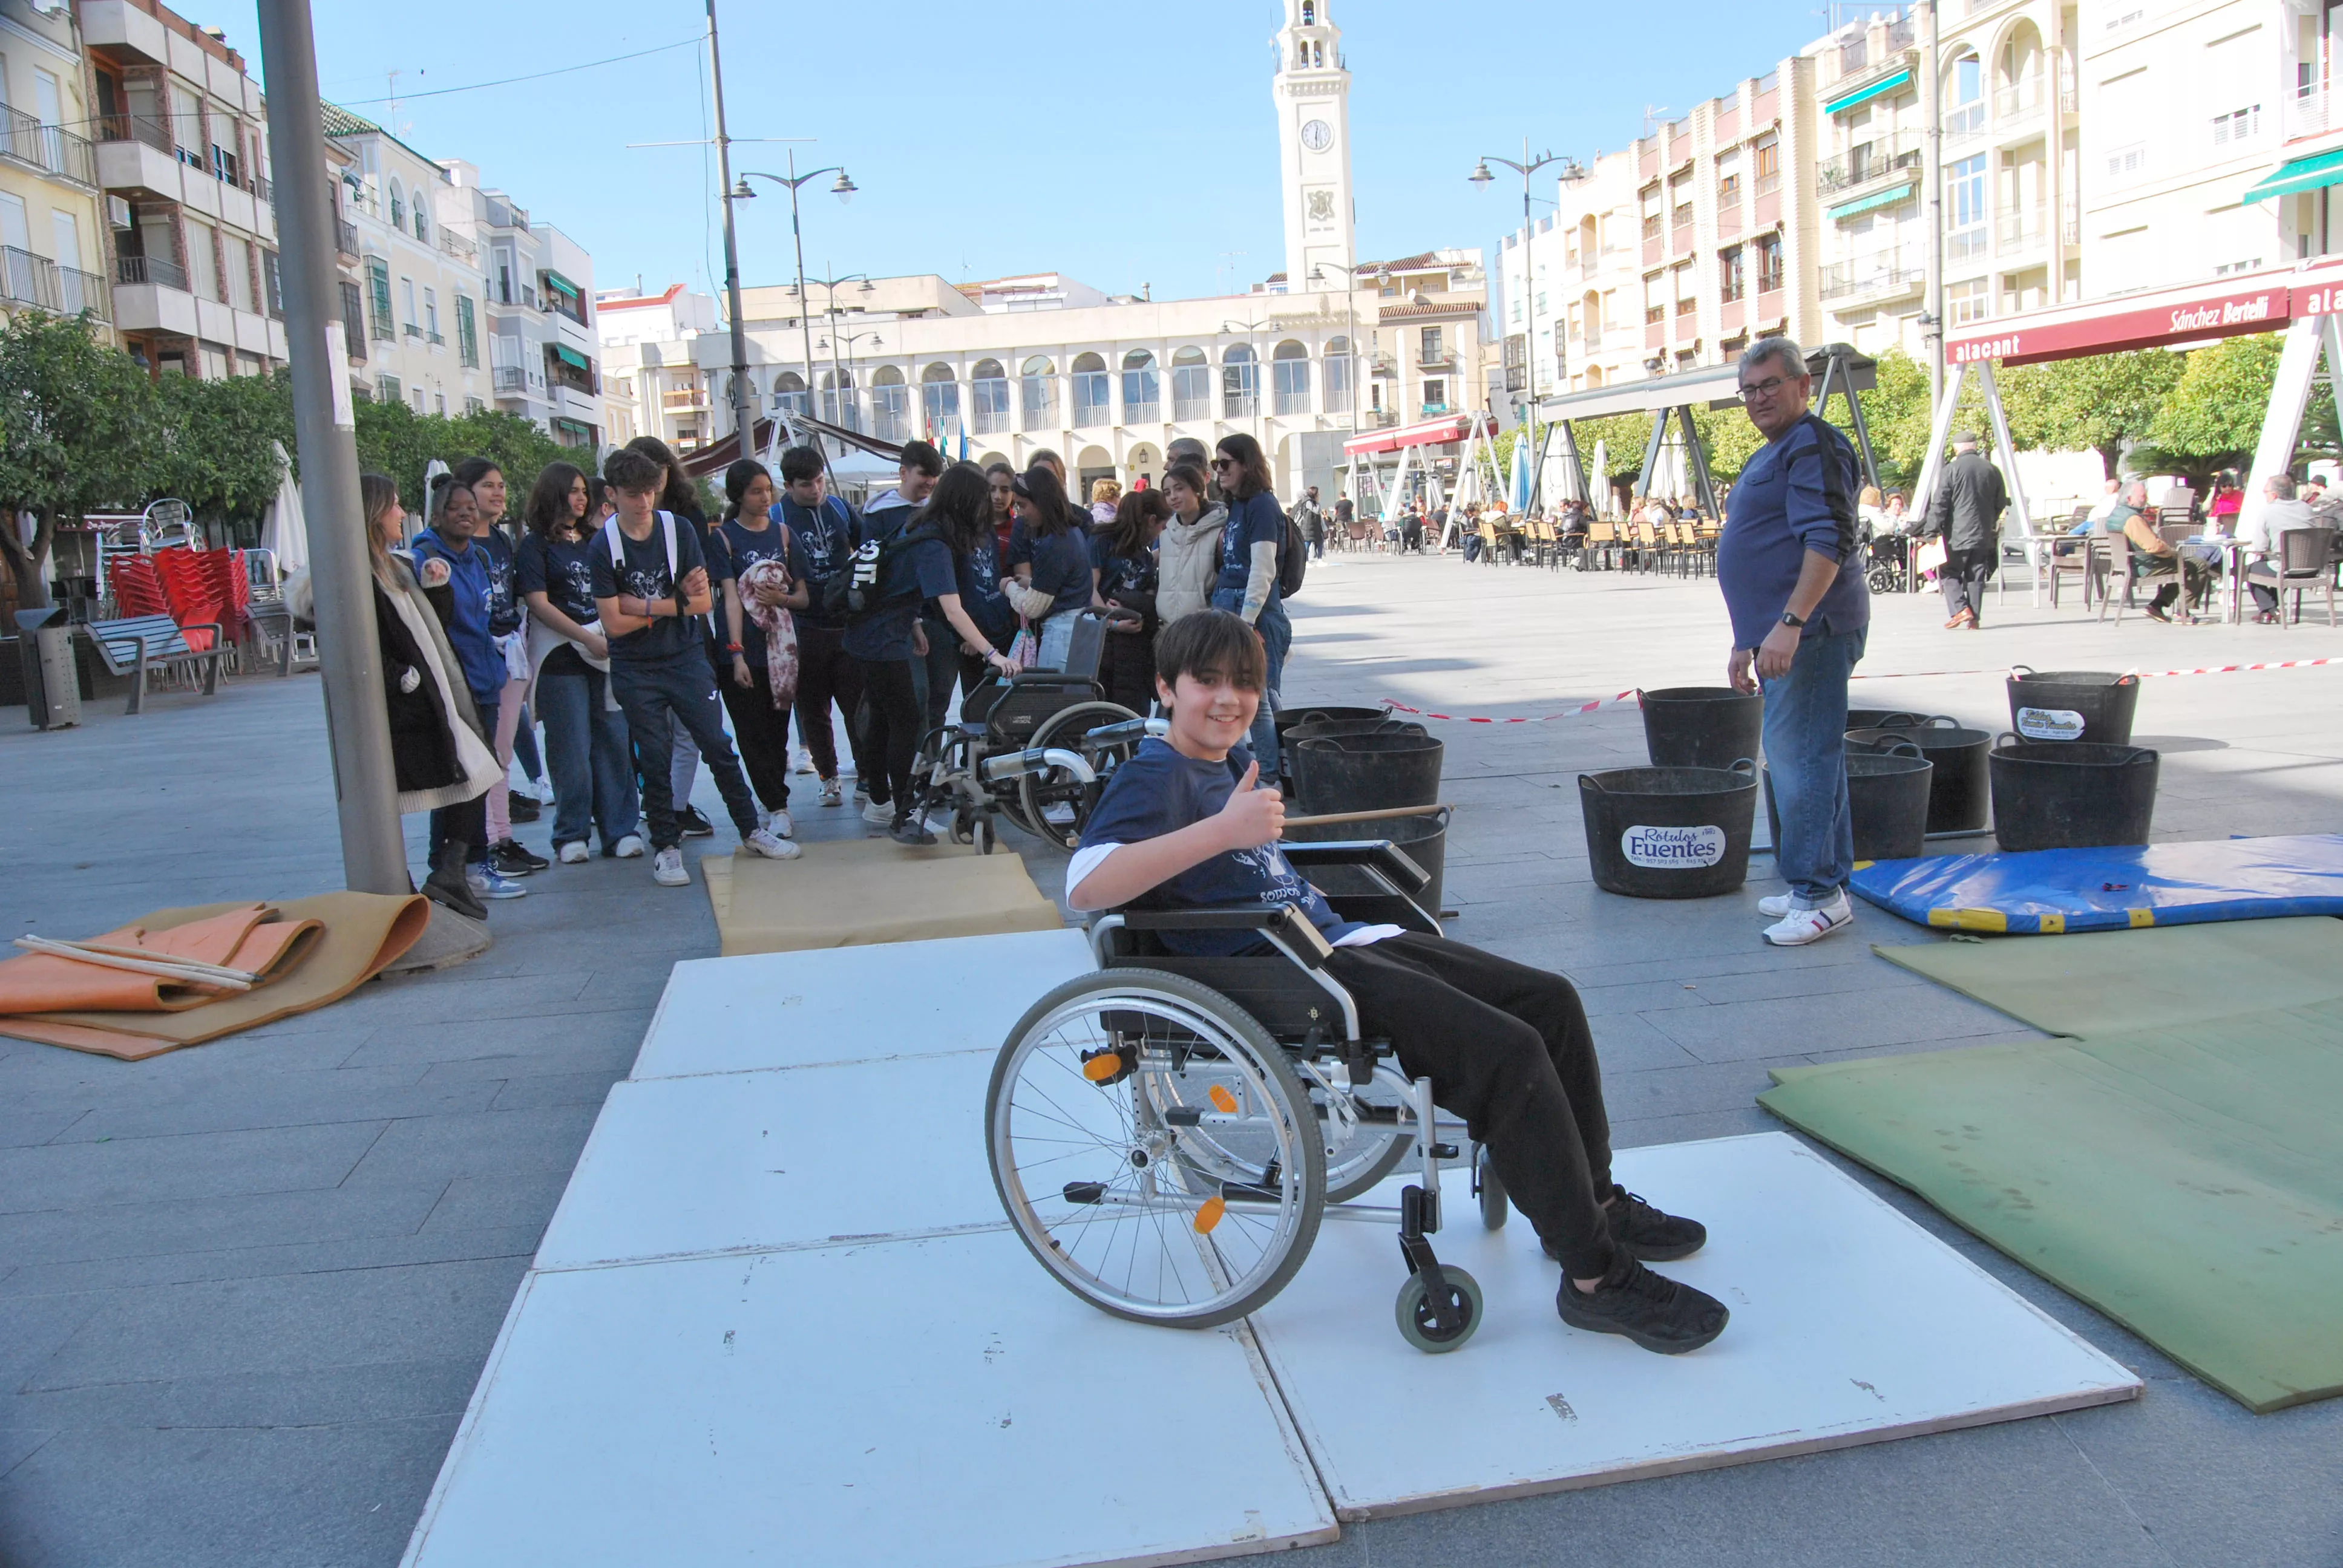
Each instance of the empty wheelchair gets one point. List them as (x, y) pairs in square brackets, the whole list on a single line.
[(1036, 749), (1167, 1132)]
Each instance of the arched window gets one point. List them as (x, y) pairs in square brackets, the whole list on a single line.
[(988, 391), (397, 206), (422, 220), (1192, 385), (1142, 392), (1965, 97), (1340, 376), (887, 376), (1038, 393), (1290, 378), (838, 403), (890, 404), (1240, 383), (1094, 396), (789, 394), (1309, 14), (939, 399)]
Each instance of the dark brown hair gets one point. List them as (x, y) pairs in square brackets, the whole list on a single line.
[(1210, 645), (1041, 487), (627, 469), (677, 492), (962, 506), (1194, 478), (548, 500), (1136, 518), (1252, 464)]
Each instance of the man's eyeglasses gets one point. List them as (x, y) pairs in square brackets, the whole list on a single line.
[(1764, 388)]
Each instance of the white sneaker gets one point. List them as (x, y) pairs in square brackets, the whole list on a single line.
[(666, 869), (1775, 906), (630, 848), (874, 812), (489, 883), (780, 826), (772, 848), (1799, 927), (573, 853)]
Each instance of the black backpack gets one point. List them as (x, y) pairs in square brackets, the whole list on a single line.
[(1292, 559), (854, 591)]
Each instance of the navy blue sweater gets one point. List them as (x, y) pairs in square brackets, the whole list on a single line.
[(1796, 496)]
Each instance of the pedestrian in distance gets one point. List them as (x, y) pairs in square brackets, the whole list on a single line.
[(1056, 586), (823, 529), (1967, 515), (1312, 521), (1188, 551), (1799, 622), (651, 596), (761, 601), (1105, 496)]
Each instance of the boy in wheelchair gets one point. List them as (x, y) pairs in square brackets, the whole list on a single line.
[(1507, 1048)]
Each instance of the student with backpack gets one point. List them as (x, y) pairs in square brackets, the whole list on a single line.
[(1253, 555), (760, 645), (679, 496), (1057, 587), (650, 586), (823, 530)]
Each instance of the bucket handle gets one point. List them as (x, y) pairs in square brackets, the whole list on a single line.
[(1743, 766), (2005, 734), (1905, 749), (1589, 782), (2130, 677), (1939, 721), (2017, 669)]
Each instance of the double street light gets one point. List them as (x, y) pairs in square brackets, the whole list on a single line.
[(1572, 169), (844, 187)]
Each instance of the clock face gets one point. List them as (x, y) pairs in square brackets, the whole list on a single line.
[(1317, 136)]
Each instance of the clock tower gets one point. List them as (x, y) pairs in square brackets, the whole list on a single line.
[(1313, 132)]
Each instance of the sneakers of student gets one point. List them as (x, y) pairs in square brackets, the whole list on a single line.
[(666, 869), (1655, 1312), (507, 856), (1799, 927), (877, 813), (1646, 1233), (907, 830), (522, 807), (1774, 906), (762, 842), (573, 853), (487, 882), (780, 824), (629, 847), (693, 823), (833, 793), (804, 762)]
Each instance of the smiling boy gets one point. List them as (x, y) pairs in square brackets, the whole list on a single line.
[(1506, 1046)]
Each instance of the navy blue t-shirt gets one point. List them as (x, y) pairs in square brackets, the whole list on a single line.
[(1121, 576), (1255, 520), (1160, 791), (563, 573), (1020, 546), (979, 573), (827, 538), (908, 578), (504, 599), (1061, 569), (744, 548), (645, 576)]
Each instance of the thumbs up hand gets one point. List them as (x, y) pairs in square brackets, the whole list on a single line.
[(1252, 816)]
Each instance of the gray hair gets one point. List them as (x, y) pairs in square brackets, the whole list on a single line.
[(2135, 494), (1783, 348), (2281, 486)]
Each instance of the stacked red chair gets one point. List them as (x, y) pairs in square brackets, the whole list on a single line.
[(205, 586), (135, 585)]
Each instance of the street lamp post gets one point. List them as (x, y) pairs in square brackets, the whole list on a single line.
[(843, 188), (1481, 177), (846, 379), (1351, 313)]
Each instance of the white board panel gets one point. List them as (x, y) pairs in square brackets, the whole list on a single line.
[(935, 1403), (785, 1158), (853, 1003), (1850, 1324)]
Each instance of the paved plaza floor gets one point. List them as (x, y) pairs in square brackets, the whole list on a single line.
[(246, 1288)]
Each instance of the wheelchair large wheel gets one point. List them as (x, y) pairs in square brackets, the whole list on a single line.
[(1088, 1125), (1053, 805)]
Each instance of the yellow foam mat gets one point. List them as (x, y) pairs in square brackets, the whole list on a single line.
[(851, 893)]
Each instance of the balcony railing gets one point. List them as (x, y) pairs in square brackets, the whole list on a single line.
[(346, 238), (51, 149), (456, 244), (436, 340), (1768, 184), (1843, 280), (688, 400), (2018, 100), (261, 187), (28, 280), (1965, 124), (2311, 114), (411, 330), (2019, 230), (510, 379), (1594, 339), (1961, 243), (160, 271), (1872, 160), (152, 129)]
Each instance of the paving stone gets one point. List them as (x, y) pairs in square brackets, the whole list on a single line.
[(160, 1227), (213, 1164)]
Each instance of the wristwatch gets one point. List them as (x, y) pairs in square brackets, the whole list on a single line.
[(1790, 619)]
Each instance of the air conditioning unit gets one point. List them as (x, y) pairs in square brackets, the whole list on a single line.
[(117, 212)]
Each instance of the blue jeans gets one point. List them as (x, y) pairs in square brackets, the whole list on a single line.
[(1805, 747), (586, 745), (681, 692), (1276, 638)]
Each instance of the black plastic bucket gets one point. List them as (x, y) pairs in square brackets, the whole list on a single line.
[(1297, 761), (2091, 705), (1701, 726), (1423, 840), (1883, 718), (1958, 791), (1670, 832), (1886, 796), (1366, 773), (2071, 794), (1294, 717)]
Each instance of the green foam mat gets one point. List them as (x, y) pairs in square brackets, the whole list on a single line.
[(2187, 1181), (2116, 983)]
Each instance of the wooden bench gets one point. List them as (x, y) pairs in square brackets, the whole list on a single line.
[(141, 643)]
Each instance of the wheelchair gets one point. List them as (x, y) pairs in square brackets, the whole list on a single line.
[(1167, 1132), (1037, 748)]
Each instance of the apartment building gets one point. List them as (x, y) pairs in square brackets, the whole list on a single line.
[(52, 212), (1676, 251), (540, 317), (181, 154), (625, 322)]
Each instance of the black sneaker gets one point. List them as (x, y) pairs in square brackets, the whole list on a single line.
[(524, 808), (909, 830), (1652, 1236), (693, 823), (1655, 1312), (513, 860)]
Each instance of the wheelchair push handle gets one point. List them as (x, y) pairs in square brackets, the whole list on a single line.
[(1039, 760), (1128, 731)]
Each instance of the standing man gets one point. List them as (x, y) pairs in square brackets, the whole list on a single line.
[(1311, 522), (823, 526), (1966, 512), (1798, 625)]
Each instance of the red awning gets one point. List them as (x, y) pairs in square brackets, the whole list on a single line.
[(1430, 433), (2192, 313)]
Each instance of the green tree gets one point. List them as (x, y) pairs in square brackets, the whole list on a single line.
[(395, 440), (2104, 402), (2213, 418), (77, 417), (214, 449)]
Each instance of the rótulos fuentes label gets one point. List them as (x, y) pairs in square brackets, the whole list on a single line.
[(1672, 848)]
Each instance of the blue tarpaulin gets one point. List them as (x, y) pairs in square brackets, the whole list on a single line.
[(2043, 892)]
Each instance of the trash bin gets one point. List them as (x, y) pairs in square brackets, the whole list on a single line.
[(1423, 840), (1670, 832), (2071, 794), (1293, 718), (1367, 773), (52, 688), (1297, 757), (2092, 705), (1958, 790), (1887, 797), (1701, 726)]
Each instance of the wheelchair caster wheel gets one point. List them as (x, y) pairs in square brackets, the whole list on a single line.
[(963, 828), (981, 835), (1414, 1310), (1494, 1206)]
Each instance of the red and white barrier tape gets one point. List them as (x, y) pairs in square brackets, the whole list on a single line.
[(1891, 675)]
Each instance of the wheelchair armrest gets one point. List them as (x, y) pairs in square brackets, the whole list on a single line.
[(1283, 924), (1380, 853)]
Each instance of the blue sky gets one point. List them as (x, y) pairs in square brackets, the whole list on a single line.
[(1120, 144)]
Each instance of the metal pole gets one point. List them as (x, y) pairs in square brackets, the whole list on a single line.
[(1529, 327), (830, 321), (744, 416), (805, 305), (358, 719), (1933, 173)]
